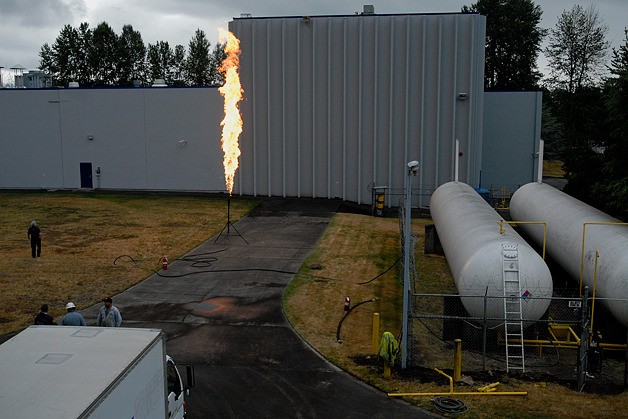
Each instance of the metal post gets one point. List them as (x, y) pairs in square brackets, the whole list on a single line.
[(406, 269), (539, 175), (375, 337), (484, 331), (584, 341), (413, 169)]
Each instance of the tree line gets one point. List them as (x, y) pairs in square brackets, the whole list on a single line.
[(100, 57), (585, 94)]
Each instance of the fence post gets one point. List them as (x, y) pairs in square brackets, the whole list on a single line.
[(626, 362), (484, 333), (457, 359), (584, 341)]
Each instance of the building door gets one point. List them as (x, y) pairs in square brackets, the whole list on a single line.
[(86, 176)]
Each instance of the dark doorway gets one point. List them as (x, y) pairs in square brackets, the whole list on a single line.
[(86, 176)]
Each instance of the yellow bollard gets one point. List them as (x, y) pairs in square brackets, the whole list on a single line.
[(457, 359), (387, 371), (376, 333)]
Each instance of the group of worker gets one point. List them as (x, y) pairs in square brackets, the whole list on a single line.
[(108, 315)]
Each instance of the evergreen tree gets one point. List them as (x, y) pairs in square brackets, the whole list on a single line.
[(552, 132), (199, 60), (513, 43), (47, 61), (216, 78)]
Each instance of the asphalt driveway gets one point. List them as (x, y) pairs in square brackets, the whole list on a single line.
[(220, 307)]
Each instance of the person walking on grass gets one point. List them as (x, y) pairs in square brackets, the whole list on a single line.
[(109, 315), (73, 318), (34, 234)]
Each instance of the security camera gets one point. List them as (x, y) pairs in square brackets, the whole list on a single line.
[(413, 167)]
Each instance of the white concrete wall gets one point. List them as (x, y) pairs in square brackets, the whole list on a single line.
[(143, 138)]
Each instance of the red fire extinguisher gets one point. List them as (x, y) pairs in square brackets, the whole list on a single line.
[(347, 303), (164, 263)]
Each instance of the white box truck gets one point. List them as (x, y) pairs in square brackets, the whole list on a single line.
[(90, 372)]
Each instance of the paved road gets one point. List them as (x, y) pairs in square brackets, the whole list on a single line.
[(221, 310)]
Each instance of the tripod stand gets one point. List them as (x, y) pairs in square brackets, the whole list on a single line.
[(228, 226)]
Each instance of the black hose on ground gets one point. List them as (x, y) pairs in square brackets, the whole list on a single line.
[(449, 405), (347, 313)]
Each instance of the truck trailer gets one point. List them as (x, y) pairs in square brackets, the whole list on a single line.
[(90, 372)]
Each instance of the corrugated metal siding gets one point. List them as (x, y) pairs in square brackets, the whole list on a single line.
[(336, 104)]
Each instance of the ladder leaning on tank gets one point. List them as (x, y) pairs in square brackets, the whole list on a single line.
[(513, 321)]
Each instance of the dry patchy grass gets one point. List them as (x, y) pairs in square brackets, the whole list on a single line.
[(82, 236), (357, 248), (553, 168)]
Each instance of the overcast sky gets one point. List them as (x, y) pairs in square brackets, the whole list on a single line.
[(26, 25)]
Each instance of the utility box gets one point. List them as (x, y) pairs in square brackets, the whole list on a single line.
[(379, 200)]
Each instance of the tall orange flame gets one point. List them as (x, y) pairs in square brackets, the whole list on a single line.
[(232, 94)]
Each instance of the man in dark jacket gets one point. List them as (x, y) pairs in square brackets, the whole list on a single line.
[(43, 317), (34, 233)]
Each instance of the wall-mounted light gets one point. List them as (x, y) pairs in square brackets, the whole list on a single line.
[(90, 137), (182, 143), (462, 96)]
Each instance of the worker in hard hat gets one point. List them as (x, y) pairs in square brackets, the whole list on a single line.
[(73, 317)]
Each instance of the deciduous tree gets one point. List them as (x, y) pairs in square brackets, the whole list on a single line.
[(577, 48), (60, 59), (179, 60), (132, 57), (160, 61)]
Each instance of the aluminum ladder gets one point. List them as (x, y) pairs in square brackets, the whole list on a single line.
[(513, 322)]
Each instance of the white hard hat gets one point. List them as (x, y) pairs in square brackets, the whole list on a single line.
[(69, 306)]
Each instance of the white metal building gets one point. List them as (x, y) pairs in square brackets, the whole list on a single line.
[(335, 104), (127, 139)]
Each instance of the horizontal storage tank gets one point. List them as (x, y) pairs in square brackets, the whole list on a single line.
[(478, 254), (566, 217)]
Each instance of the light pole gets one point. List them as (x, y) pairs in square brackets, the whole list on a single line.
[(413, 170)]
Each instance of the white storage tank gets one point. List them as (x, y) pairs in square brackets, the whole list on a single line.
[(469, 231), (566, 217)]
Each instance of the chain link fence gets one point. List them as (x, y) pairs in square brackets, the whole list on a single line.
[(559, 346)]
